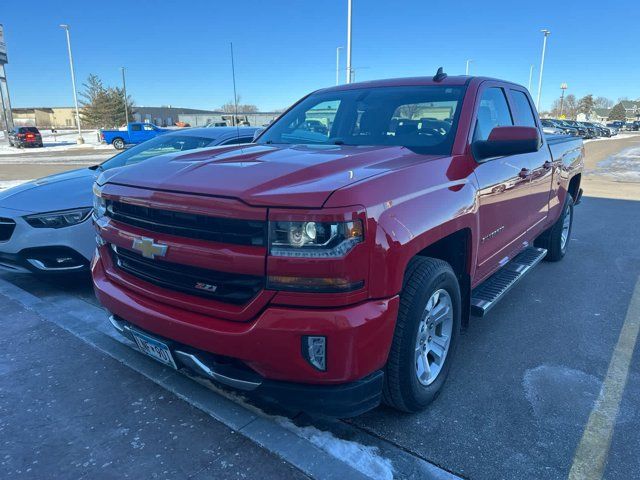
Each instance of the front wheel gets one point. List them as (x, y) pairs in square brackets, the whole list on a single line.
[(118, 143), (425, 337)]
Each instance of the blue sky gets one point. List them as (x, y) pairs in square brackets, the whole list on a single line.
[(177, 53)]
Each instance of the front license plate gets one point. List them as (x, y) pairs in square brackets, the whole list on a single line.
[(154, 348)]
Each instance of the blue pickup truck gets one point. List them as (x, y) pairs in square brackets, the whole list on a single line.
[(136, 132)]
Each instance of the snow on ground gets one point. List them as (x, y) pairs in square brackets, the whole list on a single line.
[(621, 167), (620, 136), (63, 141), (363, 458), (4, 184)]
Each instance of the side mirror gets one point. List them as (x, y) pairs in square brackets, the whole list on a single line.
[(505, 141), (257, 133)]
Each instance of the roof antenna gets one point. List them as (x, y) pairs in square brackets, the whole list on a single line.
[(235, 95), (440, 75)]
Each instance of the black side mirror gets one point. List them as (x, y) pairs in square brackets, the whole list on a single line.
[(504, 141)]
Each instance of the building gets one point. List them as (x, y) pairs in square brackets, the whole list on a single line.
[(45, 117), (166, 116), (254, 119), (632, 110)]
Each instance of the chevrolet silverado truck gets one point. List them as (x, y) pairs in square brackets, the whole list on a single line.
[(132, 134), (333, 270)]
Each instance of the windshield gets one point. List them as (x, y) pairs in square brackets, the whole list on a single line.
[(156, 146), (422, 118)]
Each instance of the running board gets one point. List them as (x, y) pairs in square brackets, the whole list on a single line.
[(487, 294)]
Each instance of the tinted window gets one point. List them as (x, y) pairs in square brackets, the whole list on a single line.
[(29, 129), (136, 128), (156, 146), (423, 118), (493, 111), (523, 111)]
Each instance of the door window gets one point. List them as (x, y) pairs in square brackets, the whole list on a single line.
[(135, 128), (523, 111), (493, 111), (148, 127)]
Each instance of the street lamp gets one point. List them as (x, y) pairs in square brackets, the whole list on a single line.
[(530, 77), (466, 72), (126, 102), (338, 65), (544, 49), (349, 41), (563, 87), (73, 84)]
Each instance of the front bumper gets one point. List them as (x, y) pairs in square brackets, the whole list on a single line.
[(343, 400), (358, 338)]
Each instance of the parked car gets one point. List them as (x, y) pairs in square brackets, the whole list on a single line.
[(330, 271), (609, 131), (600, 130), (583, 131), (561, 128), (617, 125), (25, 137), (132, 134), (44, 224), (633, 126)]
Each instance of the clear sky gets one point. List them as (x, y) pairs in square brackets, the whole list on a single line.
[(177, 53)]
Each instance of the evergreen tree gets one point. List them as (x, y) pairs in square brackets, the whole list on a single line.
[(103, 107), (586, 105), (618, 112)]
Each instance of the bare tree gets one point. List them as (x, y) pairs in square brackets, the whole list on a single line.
[(230, 107), (603, 102)]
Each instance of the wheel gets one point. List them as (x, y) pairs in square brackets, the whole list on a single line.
[(118, 143), (556, 239), (425, 337)]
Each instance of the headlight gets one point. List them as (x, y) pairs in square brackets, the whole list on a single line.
[(99, 203), (60, 219), (314, 239)]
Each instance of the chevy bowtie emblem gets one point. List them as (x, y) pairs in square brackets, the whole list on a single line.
[(148, 248)]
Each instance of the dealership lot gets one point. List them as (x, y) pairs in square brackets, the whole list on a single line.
[(522, 387)]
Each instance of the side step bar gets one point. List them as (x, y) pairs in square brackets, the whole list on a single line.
[(487, 294)]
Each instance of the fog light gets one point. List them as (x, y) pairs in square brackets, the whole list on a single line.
[(314, 350)]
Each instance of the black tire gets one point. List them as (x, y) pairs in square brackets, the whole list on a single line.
[(552, 238), (118, 143), (402, 389)]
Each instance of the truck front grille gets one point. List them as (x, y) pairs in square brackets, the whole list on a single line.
[(7, 226), (182, 224), (222, 286)]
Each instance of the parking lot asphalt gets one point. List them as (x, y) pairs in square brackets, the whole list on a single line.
[(525, 379), (70, 411)]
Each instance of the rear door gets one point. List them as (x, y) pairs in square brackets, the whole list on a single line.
[(504, 186), (539, 164)]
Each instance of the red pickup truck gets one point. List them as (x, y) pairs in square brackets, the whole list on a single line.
[(330, 269)]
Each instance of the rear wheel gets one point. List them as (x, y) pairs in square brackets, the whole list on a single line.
[(556, 239), (118, 143), (425, 337)]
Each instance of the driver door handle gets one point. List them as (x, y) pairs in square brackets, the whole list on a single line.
[(547, 165), (524, 173)]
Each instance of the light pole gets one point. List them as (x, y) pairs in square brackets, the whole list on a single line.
[(466, 72), (530, 77), (73, 84), (349, 7), (338, 65), (126, 102), (544, 49), (563, 87)]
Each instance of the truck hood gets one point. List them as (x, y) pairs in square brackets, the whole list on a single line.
[(62, 191), (265, 175)]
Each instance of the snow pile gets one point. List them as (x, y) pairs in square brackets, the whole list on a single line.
[(363, 458), (60, 142)]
